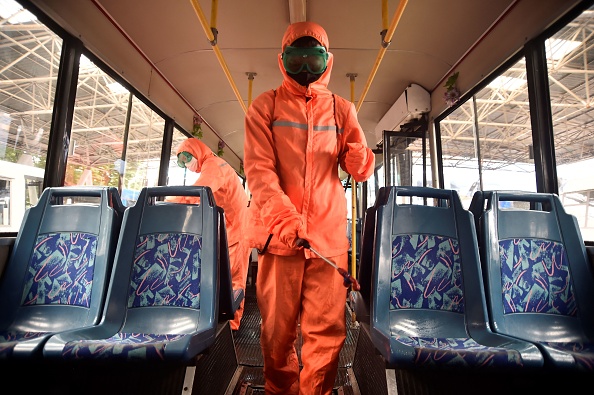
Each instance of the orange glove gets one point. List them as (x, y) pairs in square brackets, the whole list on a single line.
[(356, 157), (288, 231)]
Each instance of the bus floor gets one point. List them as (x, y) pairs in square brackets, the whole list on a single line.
[(249, 377)]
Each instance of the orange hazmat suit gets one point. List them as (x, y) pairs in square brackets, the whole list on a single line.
[(230, 195), (295, 138)]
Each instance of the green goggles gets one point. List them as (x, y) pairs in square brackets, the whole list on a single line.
[(312, 59), (183, 158)]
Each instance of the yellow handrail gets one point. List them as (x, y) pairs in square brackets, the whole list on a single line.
[(250, 85), (209, 34), (380, 55), (213, 14)]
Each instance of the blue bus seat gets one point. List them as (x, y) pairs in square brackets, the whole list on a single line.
[(230, 298), (537, 274), (163, 299), (6, 244), (58, 272), (428, 305), (361, 299)]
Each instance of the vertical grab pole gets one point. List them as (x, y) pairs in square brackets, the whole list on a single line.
[(354, 228), (352, 77)]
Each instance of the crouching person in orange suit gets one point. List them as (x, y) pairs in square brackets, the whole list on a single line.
[(229, 194)]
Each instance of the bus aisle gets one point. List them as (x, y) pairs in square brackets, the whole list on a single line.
[(249, 378)]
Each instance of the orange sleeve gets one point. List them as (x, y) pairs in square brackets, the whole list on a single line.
[(260, 166), (352, 133), (211, 174)]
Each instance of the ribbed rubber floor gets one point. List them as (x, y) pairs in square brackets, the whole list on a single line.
[(249, 354), (216, 367)]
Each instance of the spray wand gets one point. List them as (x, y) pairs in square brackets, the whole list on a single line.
[(348, 279)]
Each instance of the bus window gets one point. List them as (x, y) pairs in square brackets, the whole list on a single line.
[(115, 139), (97, 134), (26, 104), (477, 159), (4, 202), (176, 175), (570, 98)]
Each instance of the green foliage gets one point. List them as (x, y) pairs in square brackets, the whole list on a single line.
[(197, 130), (220, 147), (13, 155), (451, 81)]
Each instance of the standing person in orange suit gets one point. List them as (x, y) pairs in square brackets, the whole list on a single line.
[(229, 194), (295, 138)]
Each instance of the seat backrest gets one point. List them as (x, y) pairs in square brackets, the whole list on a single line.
[(57, 275), (426, 271), (477, 208), (361, 300), (537, 272), (6, 244), (229, 298), (167, 274)]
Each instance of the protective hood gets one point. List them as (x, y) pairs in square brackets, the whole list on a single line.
[(198, 149), (303, 29)]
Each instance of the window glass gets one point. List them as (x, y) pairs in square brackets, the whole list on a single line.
[(98, 125), (116, 139), (569, 64), (177, 175), (460, 156), (143, 152), (4, 202), (505, 132), (28, 59), (487, 141)]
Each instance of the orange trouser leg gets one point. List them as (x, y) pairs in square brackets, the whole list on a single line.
[(239, 258), (289, 287), (323, 325), (278, 290)]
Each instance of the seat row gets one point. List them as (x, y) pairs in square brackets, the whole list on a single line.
[(89, 279), (503, 286)]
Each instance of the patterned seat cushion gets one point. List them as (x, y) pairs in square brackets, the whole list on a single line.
[(535, 277), (127, 346), (9, 340), (459, 352), (426, 273), (166, 271), (61, 270)]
